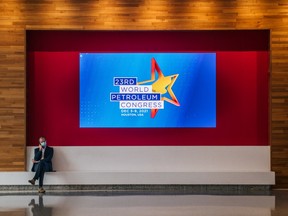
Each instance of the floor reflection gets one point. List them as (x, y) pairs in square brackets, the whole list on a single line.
[(38, 209), (141, 205)]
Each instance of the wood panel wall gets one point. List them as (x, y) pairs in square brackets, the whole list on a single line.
[(18, 15)]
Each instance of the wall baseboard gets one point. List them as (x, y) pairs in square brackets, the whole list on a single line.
[(140, 189)]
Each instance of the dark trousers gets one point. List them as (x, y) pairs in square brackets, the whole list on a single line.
[(40, 169)]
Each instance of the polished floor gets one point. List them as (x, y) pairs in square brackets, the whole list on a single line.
[(123, 204)]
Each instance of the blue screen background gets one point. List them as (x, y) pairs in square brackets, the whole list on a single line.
[(195, 89)]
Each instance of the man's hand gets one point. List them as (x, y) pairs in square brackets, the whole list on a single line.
[(35, 161), (40, 148)]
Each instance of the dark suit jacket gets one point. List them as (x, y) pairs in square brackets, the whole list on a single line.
[(48, 155)]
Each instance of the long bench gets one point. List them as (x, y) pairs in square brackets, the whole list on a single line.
[(153, 165)]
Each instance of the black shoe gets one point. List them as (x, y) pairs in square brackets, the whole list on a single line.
[(32, 181), (41, 190)]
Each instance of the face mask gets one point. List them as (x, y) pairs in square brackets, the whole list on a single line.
[(43, 144)]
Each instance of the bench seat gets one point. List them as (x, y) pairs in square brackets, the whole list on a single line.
[(124, 177)]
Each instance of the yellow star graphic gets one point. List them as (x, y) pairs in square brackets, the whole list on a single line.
[(162, 85)]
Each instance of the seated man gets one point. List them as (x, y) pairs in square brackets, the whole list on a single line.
[(41, 163)]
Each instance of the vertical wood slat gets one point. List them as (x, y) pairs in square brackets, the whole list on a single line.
[(17, 16)]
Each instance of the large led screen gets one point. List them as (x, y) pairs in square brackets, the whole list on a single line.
[(147, 90)]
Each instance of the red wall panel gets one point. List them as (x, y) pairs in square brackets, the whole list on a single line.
[(53, 90)]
